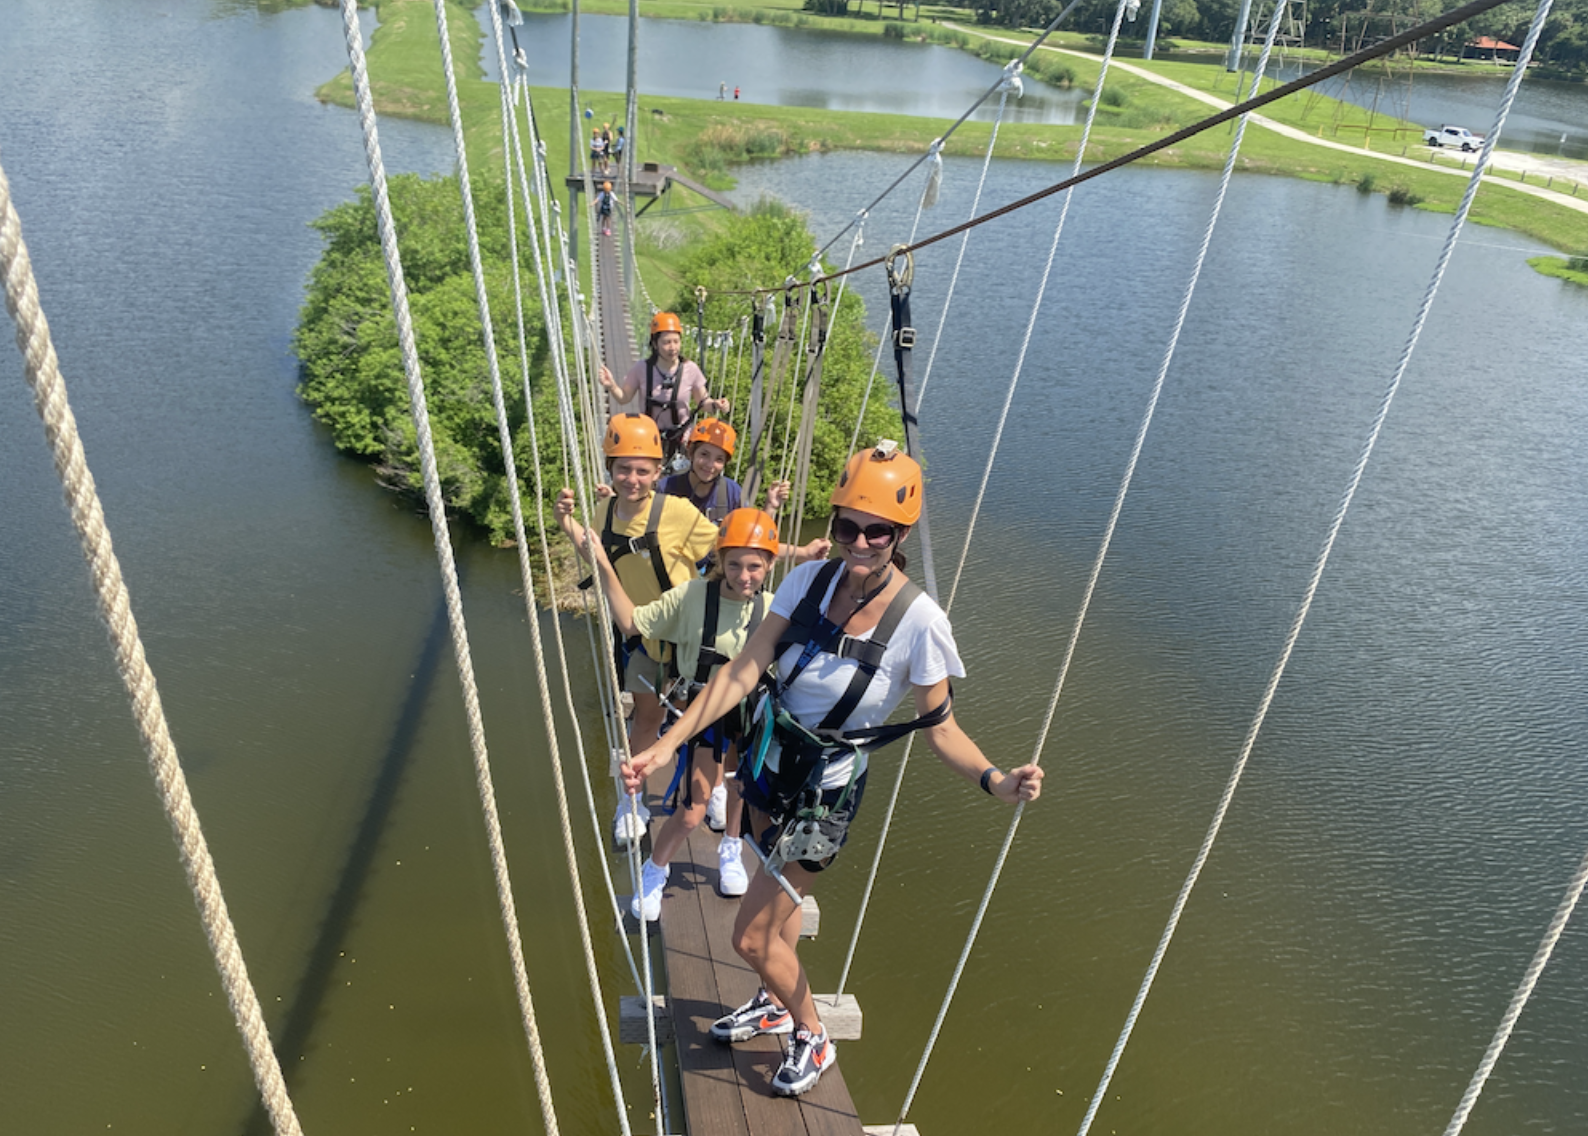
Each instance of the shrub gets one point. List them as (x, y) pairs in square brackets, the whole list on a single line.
[(1365, 183), (1578, 263), (1401, 194), (893, 30), (1113, 97)]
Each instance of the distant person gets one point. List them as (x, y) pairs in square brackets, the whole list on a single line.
[(604, 203), (673, 386), (618, 145), (736, 94), (722, 90), (598, 152)]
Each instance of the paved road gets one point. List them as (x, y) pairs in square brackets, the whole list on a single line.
[(1504, 159)]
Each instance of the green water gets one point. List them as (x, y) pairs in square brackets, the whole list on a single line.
[(1412, 812)]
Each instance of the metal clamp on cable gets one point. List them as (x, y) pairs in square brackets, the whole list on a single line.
[(904, 338)]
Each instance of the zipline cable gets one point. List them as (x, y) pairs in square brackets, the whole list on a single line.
[(42, 369), (1383, 47), (1069, 651), (1311, 590)]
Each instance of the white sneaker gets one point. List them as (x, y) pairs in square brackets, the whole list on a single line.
[(717, 809), (731, 877), (648, 904), (630, 825)]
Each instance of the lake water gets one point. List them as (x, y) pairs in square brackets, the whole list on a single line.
[(774, 66), (1413, 809)]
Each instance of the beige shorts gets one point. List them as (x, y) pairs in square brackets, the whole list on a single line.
[(643, 669)]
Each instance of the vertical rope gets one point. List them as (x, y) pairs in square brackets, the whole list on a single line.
[(438, 525), (1311, 590), (511, 149), (42, 369)]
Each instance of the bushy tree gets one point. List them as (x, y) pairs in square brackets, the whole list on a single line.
[(351, 369)]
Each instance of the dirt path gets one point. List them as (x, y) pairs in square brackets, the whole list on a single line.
[(1532, 164)]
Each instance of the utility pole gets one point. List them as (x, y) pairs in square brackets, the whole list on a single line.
[(1238, 40), (1152, 29)]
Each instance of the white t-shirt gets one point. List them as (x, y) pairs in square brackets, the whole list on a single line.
[(921, 652)]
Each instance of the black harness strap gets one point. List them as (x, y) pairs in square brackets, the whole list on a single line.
[(808, 628), (618, 546), (709, 655)]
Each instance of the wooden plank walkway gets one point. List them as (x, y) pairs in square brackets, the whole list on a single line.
[(617, 335), (727, 1088), (653, 180)]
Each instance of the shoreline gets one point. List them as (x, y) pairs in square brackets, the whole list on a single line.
[(708, 139)]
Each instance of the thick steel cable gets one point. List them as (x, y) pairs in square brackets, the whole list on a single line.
[(512, 150), (1524, 991), (1366, 55), (1321, 563), (909, 742), (436, 505), (42, 369), (1014, 824), (1018, 62), (548, 298)]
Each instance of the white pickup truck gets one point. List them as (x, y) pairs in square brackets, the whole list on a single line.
[(1458, 136)]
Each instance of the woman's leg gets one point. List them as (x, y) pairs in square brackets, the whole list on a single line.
[(735, 814), (766, 935)]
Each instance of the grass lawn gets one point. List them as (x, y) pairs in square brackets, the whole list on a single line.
[(707, 137)]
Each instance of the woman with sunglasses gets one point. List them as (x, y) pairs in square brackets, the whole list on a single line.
[(850, 638)]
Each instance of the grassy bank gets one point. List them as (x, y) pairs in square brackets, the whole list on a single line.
[(1574, 269), (708, 137)]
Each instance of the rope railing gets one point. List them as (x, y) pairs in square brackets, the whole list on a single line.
[(512, 152), (1319, 565), (42, 369)]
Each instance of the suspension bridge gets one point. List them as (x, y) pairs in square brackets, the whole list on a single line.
[(724, 1089)]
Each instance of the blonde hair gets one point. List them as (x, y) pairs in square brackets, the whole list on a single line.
[(717, 573)]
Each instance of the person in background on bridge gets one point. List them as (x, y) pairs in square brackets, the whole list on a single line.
[(673, 385), (746, 547), (850, 638), (604, 203), (618, 145), (598, 152), (653, 540)]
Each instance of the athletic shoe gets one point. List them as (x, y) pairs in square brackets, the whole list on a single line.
[(807, 1058), (731, 878), (629, 825), (717, 809), (757, 1016), (648, 904)]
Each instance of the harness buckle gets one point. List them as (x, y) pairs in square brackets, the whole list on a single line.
[(905, 338)]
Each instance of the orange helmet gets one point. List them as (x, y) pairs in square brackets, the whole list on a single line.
[(665, 321), (632, 436), (715, 431), (748, 528), (606, 185), (883, 482)]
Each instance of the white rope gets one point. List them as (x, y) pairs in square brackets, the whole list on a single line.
[(1322, 561), (549, 302), (511, 150), (1519, 1000), (42, 369), (1010, 83), (1014, 824), (438, 525)]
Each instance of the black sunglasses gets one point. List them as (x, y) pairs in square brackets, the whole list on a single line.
[(879, 535)]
